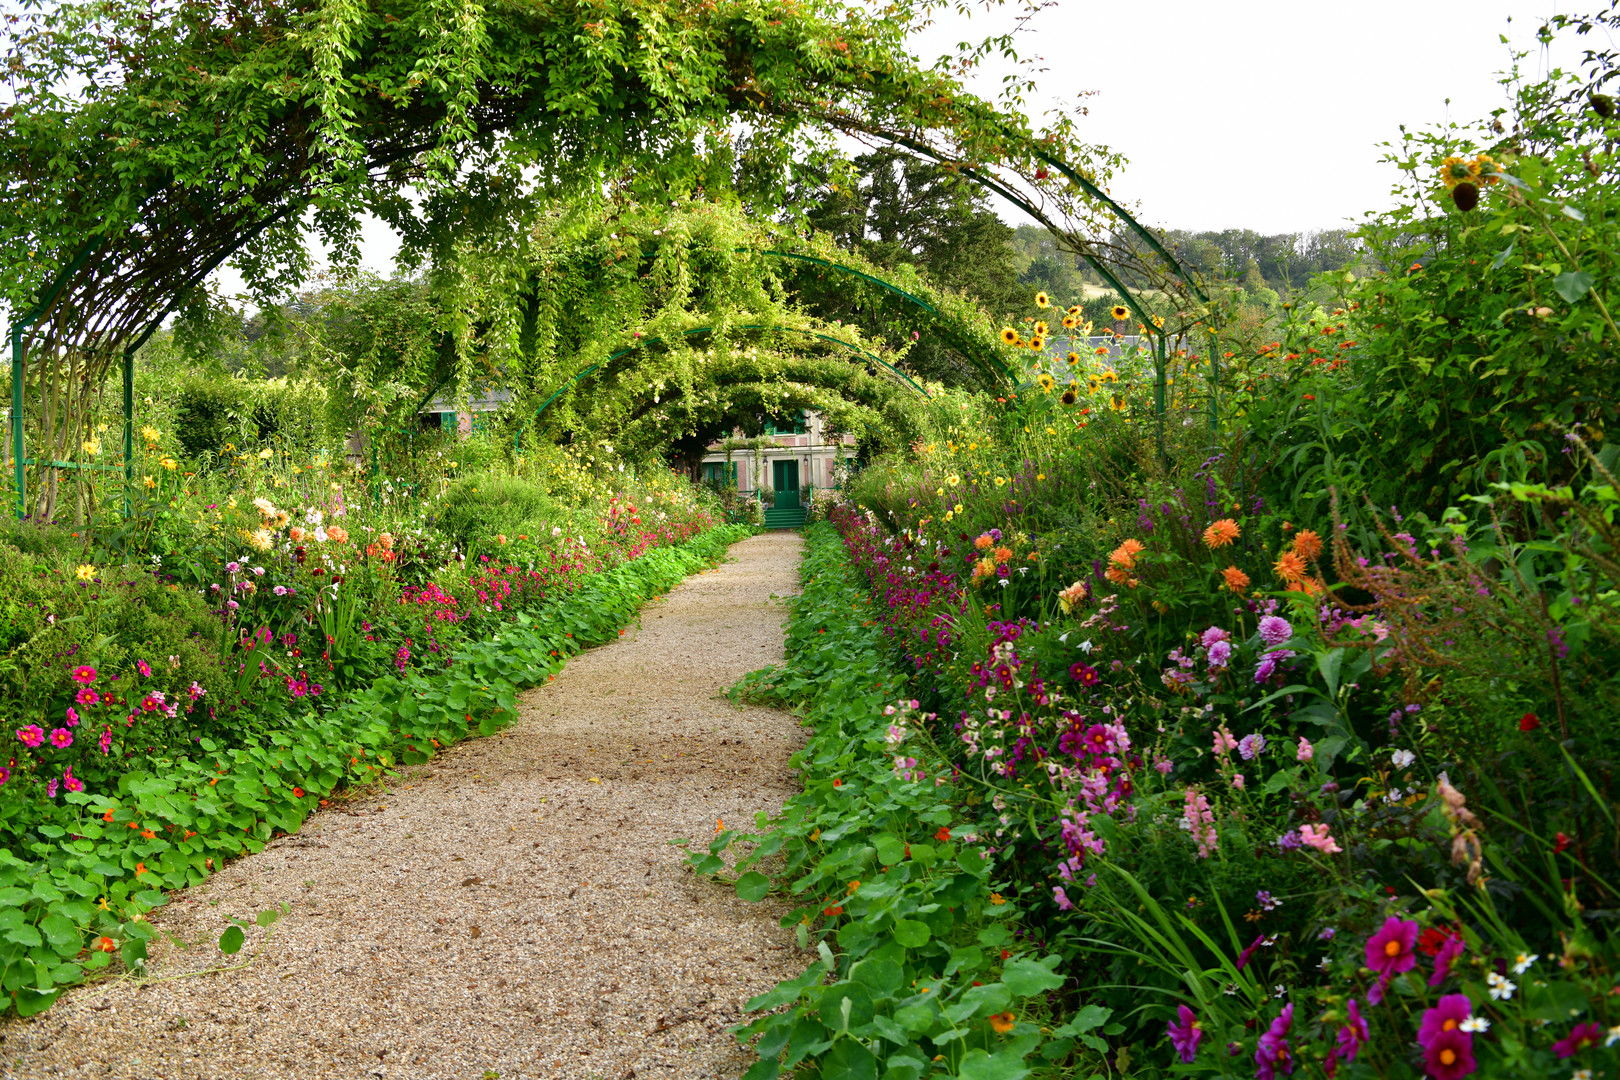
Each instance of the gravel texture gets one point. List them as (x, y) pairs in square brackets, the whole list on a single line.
[(512, 908)]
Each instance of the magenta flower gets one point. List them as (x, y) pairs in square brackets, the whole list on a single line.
[(61, 738), (71, 782), (1390, 952), (1246, 954), (1450, 1056), (1062, 899), (1318, 837), (88, 696), (144, 668), (1446, 957), (72, 716), (5, 774), (1185, 1034), (1448, 1015), (1274, 630), (50, 788), (32, 735), (1583, 1037), (1353, 1036), (1273, 1052), (85, 675), (106, 741)]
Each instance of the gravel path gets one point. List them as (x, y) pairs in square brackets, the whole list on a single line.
[(513, 908)]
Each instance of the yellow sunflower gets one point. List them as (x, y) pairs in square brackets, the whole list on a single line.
[(1046, 383), (1085, 329), (1041, 329), (1009, 336), (1117, 404), (1120, 312), (1485, 169), (1093, 384), (1075, 311), (1158, 320), (1456, 170), (1042, 300), (1073, 358), (1110, 376), (1068, 322), (1037, 342)]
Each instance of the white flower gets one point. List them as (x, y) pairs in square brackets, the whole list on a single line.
[(1581, 1074), (1402, 758), (1085, 647), (320, 535), (1614, 1036), (1475, 1024), (313, 517), (1501, 989), (1522, 963)]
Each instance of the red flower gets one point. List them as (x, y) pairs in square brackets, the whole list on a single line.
[(944, 834), (105, 944), (835, 909), (1560, 842), (1430, 941), (298, 793), (838, 782), (1528, 722)]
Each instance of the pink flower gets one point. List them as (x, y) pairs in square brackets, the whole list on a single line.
[(5, 774), (1237, 781), (85, 675), (144, 668), (1062, 898), (71, 782), (1390, 952), (50, 788), (32, 735), (1185, 1034), (1200, 822), (1444, 958), (1317, 837), (72, 717), (61, 738), (106, 741), (1224, 742), (88, 696), (1446, 1016), (1353, 1036), (1582, 1037), (1450, 1056), (1274, 630), (1273, 1052), (1306, 751)]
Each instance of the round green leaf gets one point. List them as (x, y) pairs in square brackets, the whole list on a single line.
[(753, 886), (230, 942), (911, 933)]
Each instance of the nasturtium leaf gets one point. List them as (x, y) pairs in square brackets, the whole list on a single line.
[(848, 1060), (915, 1018), (268, 916), (1026, 978), (911, 933), (230, 942), (753, 886), (978, 1065)]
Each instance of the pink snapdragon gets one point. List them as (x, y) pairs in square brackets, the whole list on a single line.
[(1318, 837), (1200, 821)]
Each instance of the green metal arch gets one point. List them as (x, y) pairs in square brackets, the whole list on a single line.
[(746, 326)]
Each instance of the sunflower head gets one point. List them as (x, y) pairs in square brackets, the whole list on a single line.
[(1120, 312), (1093, 384), (1040, 329), (1009, 336), (1086, 328), (1465, 195), (1068, 397), (1485, 170), (1073, 358), (1110, 376), (1068, 322), (1456, 170), (1037, 342), (1042, 300), (1046, 382), (1158, 320), (1075, 311)]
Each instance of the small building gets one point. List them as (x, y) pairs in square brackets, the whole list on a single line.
[(800, 453), (443, 414)]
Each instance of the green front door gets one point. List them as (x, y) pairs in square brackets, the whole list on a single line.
[(785, 479)]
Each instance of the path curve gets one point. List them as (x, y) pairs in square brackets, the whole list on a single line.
[(512, 907)]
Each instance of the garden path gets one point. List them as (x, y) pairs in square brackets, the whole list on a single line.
[(513, 908)]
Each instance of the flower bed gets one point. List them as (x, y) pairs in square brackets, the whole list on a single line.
[(91, 859)]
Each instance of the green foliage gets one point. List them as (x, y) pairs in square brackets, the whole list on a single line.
[(90, 877), (209, 414), (928, 977), (481, 505)]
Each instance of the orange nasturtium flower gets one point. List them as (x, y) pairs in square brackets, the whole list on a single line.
[(1236, 580), (1307, 544), (1002, 1022), (1221, 533), (105, 944)]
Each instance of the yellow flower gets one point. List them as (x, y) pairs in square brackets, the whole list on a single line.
[(85, 572), (1086, 329), (1158, 320), (1074, 358), (168, 463), (266, 454), (1037, 342), (1040, 328), (1456, 170), (149, 482), (1009, 336), (1120, 312), (1486, 168), (953, 480), (1068, 322), (957, 508), (1042, 300), (151, 434), (1110, 376), (1075, 311), (1046, 382), (92, 447), (1093, 384)]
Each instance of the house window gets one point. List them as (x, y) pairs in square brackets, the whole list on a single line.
[(720, 474)]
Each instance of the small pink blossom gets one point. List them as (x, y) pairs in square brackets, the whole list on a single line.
[(1317, 837), (32, 735), (1062, 898), (144, 668), (85, 675), (1224, 742), (71, 782), (1306, 751), (106, 741), (1237, 781), (72, 716), (61, 738)]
